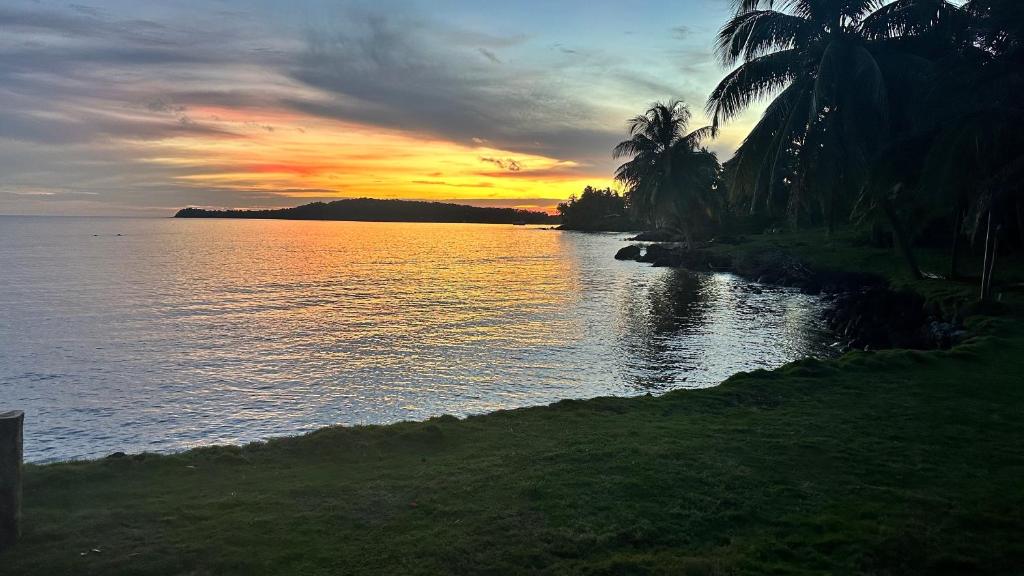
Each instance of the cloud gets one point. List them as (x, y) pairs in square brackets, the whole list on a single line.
[(453, 185), (489, 55), (95, 93), (681, 32), (525, 203), (505, 164), (402, 72), (161, 105)]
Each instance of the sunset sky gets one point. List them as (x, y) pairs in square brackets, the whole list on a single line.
[(133, 107)]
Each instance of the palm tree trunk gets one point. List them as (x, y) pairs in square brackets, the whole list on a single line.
[(688, 237), (992, 262), (988, 256), (991, 250), (1020, 221), (954, 253), (901, 239)]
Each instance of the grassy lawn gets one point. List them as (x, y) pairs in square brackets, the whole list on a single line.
[(894, 462)]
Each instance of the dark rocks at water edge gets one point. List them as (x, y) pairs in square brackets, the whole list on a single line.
[(631, 252), (877, 317), (672, 255), (766, 267), (864, 312)]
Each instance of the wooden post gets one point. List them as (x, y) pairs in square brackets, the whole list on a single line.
[(11, 430)]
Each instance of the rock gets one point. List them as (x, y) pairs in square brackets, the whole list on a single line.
[(116, 456), (661, 255), (944, 334), (631, 252)]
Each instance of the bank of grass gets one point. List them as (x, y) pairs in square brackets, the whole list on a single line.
[(894, 462)]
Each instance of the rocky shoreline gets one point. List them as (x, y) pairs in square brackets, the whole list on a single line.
[(864, 311)]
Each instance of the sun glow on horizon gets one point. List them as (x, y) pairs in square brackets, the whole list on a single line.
[(291, 155)]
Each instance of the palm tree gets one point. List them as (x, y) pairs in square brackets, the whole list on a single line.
[(671, 176), (835, 71), (965, 155), (985, 129)]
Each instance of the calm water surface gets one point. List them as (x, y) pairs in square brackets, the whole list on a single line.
[(161, 334)]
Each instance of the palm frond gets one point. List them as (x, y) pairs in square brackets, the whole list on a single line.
[(904, 18), (754, 80), (694, 139), (752, 166), (756, 33), (637, 145)]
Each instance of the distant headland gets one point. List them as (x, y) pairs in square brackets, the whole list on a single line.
[(372, 210)]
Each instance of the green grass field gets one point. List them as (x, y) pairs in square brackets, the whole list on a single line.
[(893, 462)]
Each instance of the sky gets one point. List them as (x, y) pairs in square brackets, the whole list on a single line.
[(130, 107)]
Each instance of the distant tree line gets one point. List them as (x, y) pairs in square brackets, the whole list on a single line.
[(598, 210), (905, 117), (369, 209)]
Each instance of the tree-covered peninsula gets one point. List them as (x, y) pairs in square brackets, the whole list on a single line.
[(373, 210)]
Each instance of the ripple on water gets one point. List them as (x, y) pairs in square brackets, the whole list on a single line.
[(185, 333)]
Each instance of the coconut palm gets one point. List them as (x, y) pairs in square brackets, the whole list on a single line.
[(966, 158), (835, 71), (671, 176), (978, 150)]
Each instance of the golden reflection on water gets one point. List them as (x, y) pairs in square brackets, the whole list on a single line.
[(187, 332)]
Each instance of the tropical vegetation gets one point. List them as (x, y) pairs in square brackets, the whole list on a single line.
[(672, 177), (597, 209), (903, 117), (378, 210)]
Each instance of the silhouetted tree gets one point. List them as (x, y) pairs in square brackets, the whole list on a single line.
[(597, 209), (831, 68), (962, 156), (672, 177), (371, 209)]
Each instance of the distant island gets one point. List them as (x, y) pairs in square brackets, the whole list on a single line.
[(372, 210)]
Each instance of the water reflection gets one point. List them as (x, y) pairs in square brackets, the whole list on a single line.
[(694, 329), (181, 333)]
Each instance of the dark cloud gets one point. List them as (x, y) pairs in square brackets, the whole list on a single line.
[(161, 105), (390, 71), (504, 163), (529, 203), (489, 55), (452, 185)]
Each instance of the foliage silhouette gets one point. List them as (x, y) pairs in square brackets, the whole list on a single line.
[(671, 176), (597, 210), (369, 209)]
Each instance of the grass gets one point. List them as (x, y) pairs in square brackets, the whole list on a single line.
[(894, 462), (847, 250)]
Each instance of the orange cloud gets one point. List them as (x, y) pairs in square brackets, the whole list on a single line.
[(295, 155)]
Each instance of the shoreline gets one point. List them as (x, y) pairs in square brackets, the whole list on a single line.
[(867, 310), (118, 453), (829, 465)]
